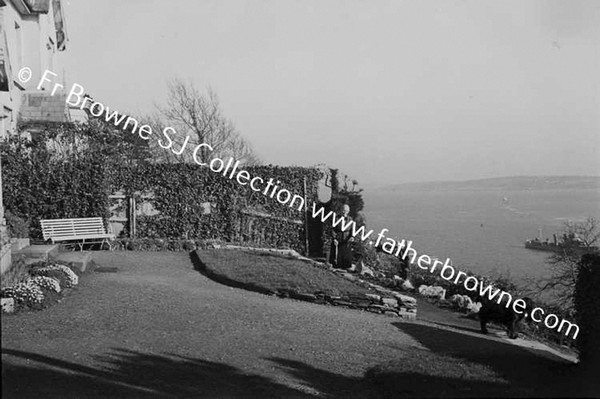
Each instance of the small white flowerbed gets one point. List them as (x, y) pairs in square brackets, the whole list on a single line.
[(41, 287)]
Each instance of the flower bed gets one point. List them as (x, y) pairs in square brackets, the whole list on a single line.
[(47, 283), (26, 294), (71, 278), (42, 287)]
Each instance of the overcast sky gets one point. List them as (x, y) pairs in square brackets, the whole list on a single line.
[(387, 91)]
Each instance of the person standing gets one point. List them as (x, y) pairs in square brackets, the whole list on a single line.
[(341, 243)]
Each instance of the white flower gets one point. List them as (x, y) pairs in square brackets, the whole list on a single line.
[(26, 292), (72, 278), (49, 283)]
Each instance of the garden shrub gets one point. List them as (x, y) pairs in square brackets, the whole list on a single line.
[(55, 181), (18, 271), (18, 227), (587, 307), (419, 277), (42, 185), (506, 283)]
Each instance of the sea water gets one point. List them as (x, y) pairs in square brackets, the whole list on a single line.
[(480, 230)]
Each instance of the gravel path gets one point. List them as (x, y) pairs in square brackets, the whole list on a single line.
[(158, 328)]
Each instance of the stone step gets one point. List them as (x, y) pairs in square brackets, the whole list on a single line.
[(82, 260), (39, 252), (19, 244), (31, 261)]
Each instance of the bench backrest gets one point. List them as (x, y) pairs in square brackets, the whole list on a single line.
[(57, 228)]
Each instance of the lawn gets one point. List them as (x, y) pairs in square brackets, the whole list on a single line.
[(272, 273), (157, 328), (459, 365)]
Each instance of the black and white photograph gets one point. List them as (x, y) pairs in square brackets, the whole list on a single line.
[(338, 199)]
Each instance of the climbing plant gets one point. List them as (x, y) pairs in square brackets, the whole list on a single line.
[(69, 171)]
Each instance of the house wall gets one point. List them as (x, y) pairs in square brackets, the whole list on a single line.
[(30, 42)]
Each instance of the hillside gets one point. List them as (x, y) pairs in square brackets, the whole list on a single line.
[(516, 183)]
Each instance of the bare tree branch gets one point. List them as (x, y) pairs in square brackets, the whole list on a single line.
[(200, 117), (578, 237)]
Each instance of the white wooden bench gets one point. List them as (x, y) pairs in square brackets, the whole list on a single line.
[(76, 231)]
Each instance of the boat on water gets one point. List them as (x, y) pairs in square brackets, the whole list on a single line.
[(567, 242), (543, 245)]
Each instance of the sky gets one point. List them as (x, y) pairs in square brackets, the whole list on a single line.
[(386, 91)]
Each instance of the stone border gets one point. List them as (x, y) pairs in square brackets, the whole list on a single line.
[(382, 301)]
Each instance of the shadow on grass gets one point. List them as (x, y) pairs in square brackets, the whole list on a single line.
[(528, 371), (201, 267), (383, 383), (330, 385), (463, 328), (129, 374)]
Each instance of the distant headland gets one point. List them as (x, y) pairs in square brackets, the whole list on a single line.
[(513, 183)]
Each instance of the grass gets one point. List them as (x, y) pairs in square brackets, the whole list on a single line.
[(458, 365), (156, 329), (270, 273), (504, 282)]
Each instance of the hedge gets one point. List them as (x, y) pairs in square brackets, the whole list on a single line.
[(37, 185), (177, 192), (50, 177)]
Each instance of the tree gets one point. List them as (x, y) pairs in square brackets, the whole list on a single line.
[(198, 118), (580, 238), (343, 194)]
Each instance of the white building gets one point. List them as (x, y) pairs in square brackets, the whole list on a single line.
[(32, 35)]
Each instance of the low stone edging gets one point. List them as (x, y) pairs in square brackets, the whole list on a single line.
[(391, 306), (384, 301)]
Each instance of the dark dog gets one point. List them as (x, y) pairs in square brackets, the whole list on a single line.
[(492, 311)]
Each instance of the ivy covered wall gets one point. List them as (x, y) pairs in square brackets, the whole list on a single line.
[(40, 186), (180, 193), (69, 171)]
